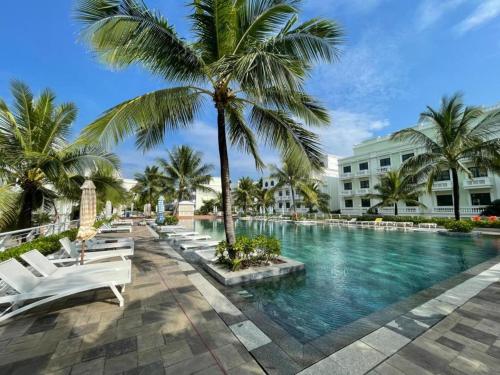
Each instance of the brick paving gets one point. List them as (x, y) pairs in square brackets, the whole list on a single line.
[(166, 327)]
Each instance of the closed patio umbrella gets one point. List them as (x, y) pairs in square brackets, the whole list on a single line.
[(88, 209), (160, 210)]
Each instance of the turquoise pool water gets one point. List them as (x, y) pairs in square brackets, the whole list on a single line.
[(351, 273)]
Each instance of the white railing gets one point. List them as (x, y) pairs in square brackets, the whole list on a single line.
[(354, 211), (346, 175), (463, 210), (477, 182), (382, 170), (16, 237), (442, 185), (364, 172), (401, 210), (363, 191), (346, 192)]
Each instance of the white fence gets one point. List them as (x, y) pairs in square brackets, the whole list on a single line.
[(16, 237)]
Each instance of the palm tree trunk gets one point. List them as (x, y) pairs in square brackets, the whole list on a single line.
[(225, 179), (456, 193), (395, 209), (25, 217), (293, 203)]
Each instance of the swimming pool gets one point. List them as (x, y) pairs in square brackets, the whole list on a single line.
[(351, 273)]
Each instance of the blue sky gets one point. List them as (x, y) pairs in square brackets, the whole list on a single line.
[(399, 56)]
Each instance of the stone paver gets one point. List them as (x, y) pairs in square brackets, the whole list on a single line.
[(166, 326)]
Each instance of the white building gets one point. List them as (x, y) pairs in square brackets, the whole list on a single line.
[(360, 173), (202, 195), (329, 184)]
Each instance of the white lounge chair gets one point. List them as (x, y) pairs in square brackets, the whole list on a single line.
[(178, 240), (91, 256), (428, 225), (48, 289), (123, 222), (181, 234), (106, 228), (198, 244), (46, 267), (93, 245)]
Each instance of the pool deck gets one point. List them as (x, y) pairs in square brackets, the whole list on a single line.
[(177, 320)]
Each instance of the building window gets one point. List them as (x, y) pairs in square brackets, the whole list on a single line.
[(478, 172), (272, 183), (347, 169), (280, 193), (444, 200), (348, 203), (298, 205), (363, 166), (364, 184), (365, 203), (480, 199), (287, 192), (287, 204), (280, 205), (266, 184), (443, 176), (347, 185), (385, 162), (405, 157)]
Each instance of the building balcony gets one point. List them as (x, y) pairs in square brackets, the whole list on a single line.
[(401, 210), (382, 170), (346, 175), (363, 191), (466, 211), (346, 193), (364, 172), (441, 185), (478, 182)]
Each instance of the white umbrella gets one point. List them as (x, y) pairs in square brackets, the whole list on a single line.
[(109, 209), (87, 215)]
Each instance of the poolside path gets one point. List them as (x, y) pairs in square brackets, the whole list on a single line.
[(166, 327)]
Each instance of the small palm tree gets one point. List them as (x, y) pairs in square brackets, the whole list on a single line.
[(248, 59), (314, 197), (150, 185), (295, 174), (264, 197), (35, 156), (185, 172), (461, 135), (396, 186), (244, 195)]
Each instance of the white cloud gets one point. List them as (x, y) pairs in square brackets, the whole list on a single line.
[(348, 129), (431, 11), (363, 6), (485, 12)]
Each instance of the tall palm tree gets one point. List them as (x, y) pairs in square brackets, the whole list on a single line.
[(185, 172), (248, 59), (244, 194), (460, 135), (264, 196), (35, 155), (396, 186), (295, 174), (314, 197), (150, 185)]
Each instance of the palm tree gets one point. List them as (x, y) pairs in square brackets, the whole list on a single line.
[(314, 197), (295, 174), (150, 185), (8, 207), (186, 172), (35, 155), (244, 195), (264, 196), (248, 59), (460, 135), (396, 186)]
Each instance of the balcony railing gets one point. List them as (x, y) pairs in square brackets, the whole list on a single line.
[(442, 185), (401, 210), (346, 175), (476, 210), (471, 183), (382, 170), (364, 172), (346, 193), (363, 191)]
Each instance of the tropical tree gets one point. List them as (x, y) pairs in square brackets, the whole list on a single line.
[(461, 135), (314, 197), (294, 174), (185, 172), (244, 194), (35, 156), (150, 185), (397, 186), (9, 210), (264, 197), (248, 59)]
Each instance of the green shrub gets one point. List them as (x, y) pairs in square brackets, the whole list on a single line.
[(171, 220), (45, 245), (460, 226), (493, 209), (248, 251), (101, 222)]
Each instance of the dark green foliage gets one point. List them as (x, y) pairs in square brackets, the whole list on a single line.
[(171, 220), (493, 209), (460, 226), (45, 245)]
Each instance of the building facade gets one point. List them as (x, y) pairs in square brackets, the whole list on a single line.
[(204, 195), (329, 179), (373, 158)]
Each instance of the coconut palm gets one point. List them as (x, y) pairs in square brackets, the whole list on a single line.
[(264, 197), (8, 207), (313, 197), (396, 186), (244, 194), (248, 59), (185, 172), (460, 135), (150, 185), (294, 174), (35, 155)]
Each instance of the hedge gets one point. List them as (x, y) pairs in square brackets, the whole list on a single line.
[(442, 221), (45, 245)]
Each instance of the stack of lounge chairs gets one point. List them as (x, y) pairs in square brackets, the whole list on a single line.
[(186, 240)]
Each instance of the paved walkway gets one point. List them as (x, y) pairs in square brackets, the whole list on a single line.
[(166, 327)]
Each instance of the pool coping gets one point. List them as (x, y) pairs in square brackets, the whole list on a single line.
[(278, 351)]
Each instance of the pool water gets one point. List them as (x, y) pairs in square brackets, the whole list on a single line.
[(351, 273)]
